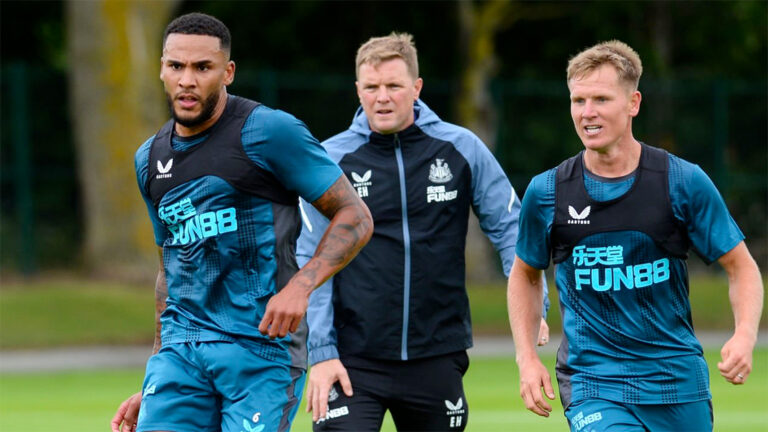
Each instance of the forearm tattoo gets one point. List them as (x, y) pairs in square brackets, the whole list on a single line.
[(161, 294), (348, 232)]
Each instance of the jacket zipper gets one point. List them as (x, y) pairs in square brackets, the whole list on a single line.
[(407, 249)]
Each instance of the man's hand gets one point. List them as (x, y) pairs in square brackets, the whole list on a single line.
[(543, 333), (285, 311), (737, 359), (745, 291), (321, 378), (127, 414), (524, 298), (534, 377), (349, 229)]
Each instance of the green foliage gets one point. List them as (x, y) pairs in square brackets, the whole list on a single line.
[(51, 313), (86, 401), (51, 172), (726, 136)]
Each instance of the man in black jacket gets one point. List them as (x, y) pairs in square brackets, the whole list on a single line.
[(396, 321)]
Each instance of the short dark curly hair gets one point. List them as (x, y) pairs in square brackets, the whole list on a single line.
[(197, 23)]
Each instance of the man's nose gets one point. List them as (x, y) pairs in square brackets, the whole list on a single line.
[(382, 94), (187, 78), (589, 110)]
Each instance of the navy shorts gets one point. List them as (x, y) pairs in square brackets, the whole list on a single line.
[(599, 415), (218, 386), (421, 395)]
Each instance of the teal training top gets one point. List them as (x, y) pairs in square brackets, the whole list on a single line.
[(628, 335), (226, 252)]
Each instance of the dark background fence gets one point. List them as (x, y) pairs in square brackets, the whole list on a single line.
[(720, 124)]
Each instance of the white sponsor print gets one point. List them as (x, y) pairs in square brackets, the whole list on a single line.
[(455, 412), (333, 394), (579, 218), (362, 182), (457, 408), (439, 172), (164, 169), (334, 413), (361, 179), (579, 421), (255, 428), (439, 194)]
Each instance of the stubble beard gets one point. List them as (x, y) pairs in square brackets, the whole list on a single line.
[(209, 105)]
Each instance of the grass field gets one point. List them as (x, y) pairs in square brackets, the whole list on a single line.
[(710, 307), (85, 401), (46, 312)]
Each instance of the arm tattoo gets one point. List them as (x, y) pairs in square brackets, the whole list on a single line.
[(340, 194), (339, 243), (349, 230), (161, 294)]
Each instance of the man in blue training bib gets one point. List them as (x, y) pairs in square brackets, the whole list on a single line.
[(222, 181), (618, 220)]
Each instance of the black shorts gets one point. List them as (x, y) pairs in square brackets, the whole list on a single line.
[(421, 395)]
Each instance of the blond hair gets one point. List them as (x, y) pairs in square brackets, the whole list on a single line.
[(380, 49), (615, 53)]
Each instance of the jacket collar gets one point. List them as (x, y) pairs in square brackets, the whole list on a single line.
[(403, 136)]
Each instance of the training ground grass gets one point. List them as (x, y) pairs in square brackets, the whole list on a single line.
[(86, 401), (48, 312)]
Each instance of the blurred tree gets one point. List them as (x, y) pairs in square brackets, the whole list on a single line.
[(479, 25), (32, 96), (114, 52), (709, 92)]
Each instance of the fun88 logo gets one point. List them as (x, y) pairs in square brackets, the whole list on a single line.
[(612, 274), (187, 225)]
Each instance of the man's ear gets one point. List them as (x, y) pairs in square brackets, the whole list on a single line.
[(229, 73), (634, 103), (417, 85)]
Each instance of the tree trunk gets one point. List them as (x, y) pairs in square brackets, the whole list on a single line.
[(660, 107), (479, 24), (117, 99)]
